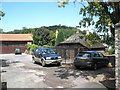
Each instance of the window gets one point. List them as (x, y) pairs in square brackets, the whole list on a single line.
[(98, 55), (36, 50), (95, 55), (84, 55), (101, 55)]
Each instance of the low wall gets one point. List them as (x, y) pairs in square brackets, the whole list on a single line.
[(117, 53), (112, 60)]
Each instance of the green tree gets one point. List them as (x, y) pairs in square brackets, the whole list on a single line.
[(1, 14), (52, 38), (60, 37), (23, 31), (68, 32), (41, 36), (106, 12), (92, 38), (1, 30)]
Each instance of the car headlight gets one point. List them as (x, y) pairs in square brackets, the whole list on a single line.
[(48, 57), (59, 57)]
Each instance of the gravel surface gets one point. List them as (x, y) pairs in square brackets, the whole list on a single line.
[(19, 72)]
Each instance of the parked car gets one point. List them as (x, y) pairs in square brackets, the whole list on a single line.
[(45, 56), (18, 51), (92, 59)]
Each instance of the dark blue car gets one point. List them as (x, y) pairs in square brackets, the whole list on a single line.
[(91, 59), (45, 55)]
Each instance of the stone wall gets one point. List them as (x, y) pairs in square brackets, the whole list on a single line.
[(117, 53), (111, 60)]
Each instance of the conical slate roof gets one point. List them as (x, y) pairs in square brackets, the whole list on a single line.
[(79, 38)]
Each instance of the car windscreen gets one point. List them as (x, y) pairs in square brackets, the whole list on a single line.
[(84, 55), (48, 51)]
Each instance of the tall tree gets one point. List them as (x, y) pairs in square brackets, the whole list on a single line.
[(60, 37), (106, 12), (68, 32), (41, 36), (52, 38), (93, 38)]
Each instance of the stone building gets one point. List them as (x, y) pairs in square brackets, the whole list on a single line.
[(117, 53), (69, 48), (8, 42)]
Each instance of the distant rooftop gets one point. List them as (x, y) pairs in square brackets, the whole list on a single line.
[(16, 37)]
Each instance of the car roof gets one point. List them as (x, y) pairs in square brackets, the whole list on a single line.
[(91, 51)]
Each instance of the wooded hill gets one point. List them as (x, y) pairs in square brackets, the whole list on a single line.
[(46, 35)]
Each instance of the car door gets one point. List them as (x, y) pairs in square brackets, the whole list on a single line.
[(97, 59), (101, 56), (104, 59), (37, 55)]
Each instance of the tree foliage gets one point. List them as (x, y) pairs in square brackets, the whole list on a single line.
[(106, 12), (41, 36), (60, 37), (52, 38), (31, 47), (55, 27), (1, 14), (68, 32), (1, 30), (93, 38), (24, 30)]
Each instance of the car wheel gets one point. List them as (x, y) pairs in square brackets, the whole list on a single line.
[(77, 67), (95, 67), (33, 60), (43, 63), (59, 64), (107, 64)]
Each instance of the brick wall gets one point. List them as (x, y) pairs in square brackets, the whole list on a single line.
[(10, 49), (117, 53), (7, 47)]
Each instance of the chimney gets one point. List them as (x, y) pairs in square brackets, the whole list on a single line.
[(56, 33), (77, 31), (87, 30)]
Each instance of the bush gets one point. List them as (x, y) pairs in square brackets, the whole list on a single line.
[(31, 47), (46, 46), (111, 51)]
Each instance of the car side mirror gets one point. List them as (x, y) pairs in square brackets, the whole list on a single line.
[(55, 51), (40, 55)]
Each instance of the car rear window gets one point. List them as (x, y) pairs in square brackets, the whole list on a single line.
[(84, 55), (98, 55)]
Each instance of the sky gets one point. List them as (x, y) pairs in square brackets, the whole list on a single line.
[(37, 14)]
